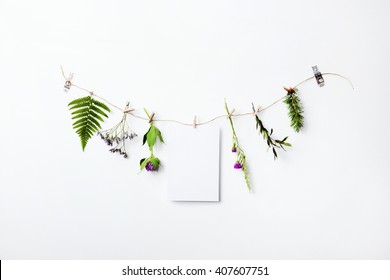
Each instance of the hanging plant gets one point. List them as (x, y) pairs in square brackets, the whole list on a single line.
[(118, 135), (267, 136), (88, 113), (151, 163), (295, 109), (241, 158)]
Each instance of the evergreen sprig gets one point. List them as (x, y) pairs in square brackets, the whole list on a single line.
[(267, 136), (241, 158), (151, 163), (88, 114), (295, 109)]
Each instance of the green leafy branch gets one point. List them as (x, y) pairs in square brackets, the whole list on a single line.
[(295, 109), (241, 158), (88, 113), (267, 136), (151, 163)]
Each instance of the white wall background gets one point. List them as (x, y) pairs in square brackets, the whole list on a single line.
[(326, 198)]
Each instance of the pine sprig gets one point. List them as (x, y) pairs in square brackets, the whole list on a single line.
[(295, 109), (88, 116), (241, 158), (267, 136)]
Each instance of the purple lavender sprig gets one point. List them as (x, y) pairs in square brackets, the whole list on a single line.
[(117, 136)]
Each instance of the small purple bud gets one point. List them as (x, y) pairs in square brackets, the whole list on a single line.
[(234, 150), (237, 165), (150, 167)]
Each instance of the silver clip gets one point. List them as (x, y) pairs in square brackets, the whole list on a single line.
[(318, 76), (68, 83)]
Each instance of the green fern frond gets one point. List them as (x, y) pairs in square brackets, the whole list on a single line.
[(88, 116)]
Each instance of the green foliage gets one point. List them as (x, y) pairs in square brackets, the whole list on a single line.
[(295, 109), (151, 136), (151, 163), (241, 158), (267, 136), (88, 116)]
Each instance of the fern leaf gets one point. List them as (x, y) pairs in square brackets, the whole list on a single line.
[(95, 122), (80, 121), (79, 100), (98, 110), (101, 105), (87, 116), (78, 111), (81, 115), (79, 105), (96, 116)]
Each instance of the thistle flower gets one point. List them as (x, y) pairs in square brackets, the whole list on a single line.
[(117, 136), (241, 158), (150, 164), (150, 167)]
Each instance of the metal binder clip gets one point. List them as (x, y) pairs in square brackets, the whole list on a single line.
[(318, 76)]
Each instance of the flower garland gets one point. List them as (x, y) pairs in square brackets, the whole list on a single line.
[(89, 113)]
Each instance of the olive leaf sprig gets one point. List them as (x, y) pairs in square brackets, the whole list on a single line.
[(118, 136), (295, 109), (267, 136), (151, 163), (241, 158)]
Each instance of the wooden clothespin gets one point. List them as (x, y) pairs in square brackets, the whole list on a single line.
[(151, 117), (255, 111), (127, 108), (195, 121), (231, 113)]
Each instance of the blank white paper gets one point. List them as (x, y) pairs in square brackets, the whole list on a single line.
[(194, 172)]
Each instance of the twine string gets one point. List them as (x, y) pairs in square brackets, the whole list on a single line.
[(194, 123)]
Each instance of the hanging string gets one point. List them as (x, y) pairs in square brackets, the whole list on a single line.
[(259, 110)]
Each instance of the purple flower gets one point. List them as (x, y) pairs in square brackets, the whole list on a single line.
[(237, 165), (150, 167), (234, 149)]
